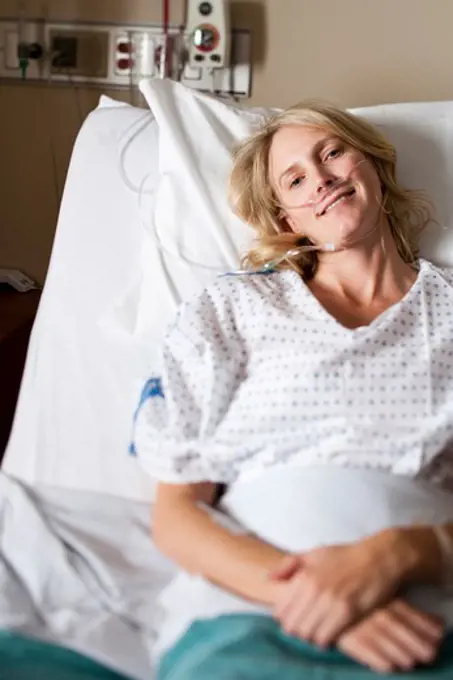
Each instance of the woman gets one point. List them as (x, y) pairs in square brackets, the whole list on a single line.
[(315, 389)]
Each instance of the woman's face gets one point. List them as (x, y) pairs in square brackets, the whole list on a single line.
[(329, 191)]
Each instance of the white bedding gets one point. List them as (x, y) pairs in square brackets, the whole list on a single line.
[(79, 569), (82, 375)]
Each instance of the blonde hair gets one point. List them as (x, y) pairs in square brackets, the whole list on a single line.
[(253, 198)]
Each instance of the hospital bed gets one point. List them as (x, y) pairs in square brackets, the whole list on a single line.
[(144, 223)]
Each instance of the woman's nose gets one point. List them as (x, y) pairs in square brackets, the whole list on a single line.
[(324, 182)]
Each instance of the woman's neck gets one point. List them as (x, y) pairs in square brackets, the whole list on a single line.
[(365, 274)]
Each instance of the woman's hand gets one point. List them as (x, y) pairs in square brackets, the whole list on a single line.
[(326, 590), (394, 638)]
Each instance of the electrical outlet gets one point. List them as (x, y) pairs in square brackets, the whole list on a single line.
[(80, 52), (64, 51), (33, 36)]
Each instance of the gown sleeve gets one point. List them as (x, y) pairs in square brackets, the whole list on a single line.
[(203, 363)]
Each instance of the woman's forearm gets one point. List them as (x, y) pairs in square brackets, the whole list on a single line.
[(187, 534)]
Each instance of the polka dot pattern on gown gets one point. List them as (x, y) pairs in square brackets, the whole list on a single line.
[(257, 373)]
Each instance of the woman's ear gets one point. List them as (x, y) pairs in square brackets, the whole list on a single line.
[(286, 222)]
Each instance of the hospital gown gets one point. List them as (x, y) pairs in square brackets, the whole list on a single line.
[(256, 373)]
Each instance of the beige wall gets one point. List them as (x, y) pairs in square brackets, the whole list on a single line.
[(354, 52)]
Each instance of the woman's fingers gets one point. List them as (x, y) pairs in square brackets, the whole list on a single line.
[(328, 589), (426, 624), (376, 648), (293, 598), (320, 619), (364, 649), (305, 621), (397, 637), (418, 633), (298, 603), (396, 652), (313, 614), (333, 625)]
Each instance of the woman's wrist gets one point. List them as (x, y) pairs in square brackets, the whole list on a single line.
[(415, 553)]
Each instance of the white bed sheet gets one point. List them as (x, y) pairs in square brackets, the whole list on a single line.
[(80, 569), (84, 372)]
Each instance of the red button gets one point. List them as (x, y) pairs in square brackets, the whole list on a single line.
[(125, 64), (126, 47)]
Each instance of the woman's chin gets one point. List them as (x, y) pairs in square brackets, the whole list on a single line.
[(350, 234)]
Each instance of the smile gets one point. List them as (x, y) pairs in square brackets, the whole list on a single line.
[(337, 201)]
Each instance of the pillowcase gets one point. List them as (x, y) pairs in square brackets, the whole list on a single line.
[(192, 222), (422, 133)]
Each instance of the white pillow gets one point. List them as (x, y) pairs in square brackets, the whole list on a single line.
[(197, 133), (192, 219), (106, 102), (422, 133)]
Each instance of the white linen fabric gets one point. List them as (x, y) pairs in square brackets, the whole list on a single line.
[(80, 570), (256, 374), (90, 350)]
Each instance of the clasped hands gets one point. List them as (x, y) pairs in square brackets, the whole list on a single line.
[(346, 595)]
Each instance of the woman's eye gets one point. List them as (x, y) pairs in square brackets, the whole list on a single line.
[(296, 182), (334, 153)]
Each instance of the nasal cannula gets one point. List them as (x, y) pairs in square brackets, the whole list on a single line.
[(291, 252)]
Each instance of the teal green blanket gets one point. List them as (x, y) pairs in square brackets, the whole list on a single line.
[(249, 647), (22, 658)]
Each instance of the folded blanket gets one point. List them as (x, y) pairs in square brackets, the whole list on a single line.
[(253, 647)]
